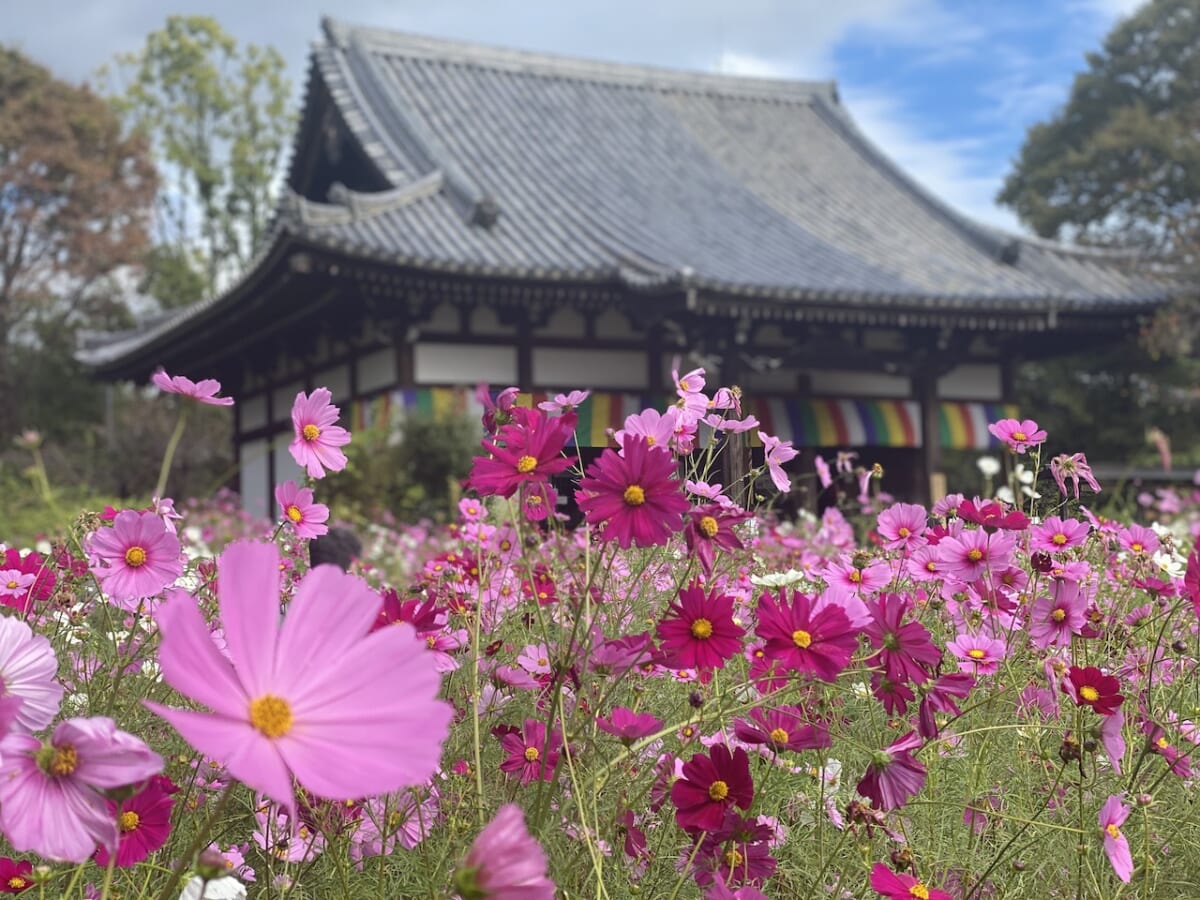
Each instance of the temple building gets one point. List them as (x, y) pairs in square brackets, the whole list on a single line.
[(456, 214)]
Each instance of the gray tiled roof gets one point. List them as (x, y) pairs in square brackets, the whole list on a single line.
[(742, 185)]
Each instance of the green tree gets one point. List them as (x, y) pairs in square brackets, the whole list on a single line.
[(76, 196), (1119, 164), (218, 117)]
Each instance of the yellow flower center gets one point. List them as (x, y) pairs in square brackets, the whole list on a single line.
[(702, 629), (12, 585), (271, 715), (135, 556), (974, 554), (718, 791), (903, 532), (1058, 615), (526, 464), (1113, 831), (634, 495), (651, 440), (976, 653), (733, 859), (1089, 693), (919, 891), (931, 566), (531, 754), (855, 576), (293, 513), (17, 883), (801, 638), (1136, 547), (65, 760), (779, 736), (542, 661), (310, 432), (1059, 539), (708, 526), (129, 821), (1018, 436), (1162, 743)]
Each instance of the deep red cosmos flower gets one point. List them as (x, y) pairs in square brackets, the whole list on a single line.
[(782, 728), (709, 786), (819, 644), (698, 632), (906, 651), (529, 449), (634, 496), (709, 527), (16, 876), (895, 886), (1091, 687), (894, 776), (144, 822)]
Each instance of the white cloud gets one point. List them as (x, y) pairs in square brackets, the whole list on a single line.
[(1112, 9), (953, 169)]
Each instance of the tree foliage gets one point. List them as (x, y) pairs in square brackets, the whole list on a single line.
[(1119, 165), (218, 117), (76, 194)]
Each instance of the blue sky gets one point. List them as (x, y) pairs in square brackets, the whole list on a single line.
[(946, 87)]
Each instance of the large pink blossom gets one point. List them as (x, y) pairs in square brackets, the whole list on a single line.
[(319, 439), (313, 697), (505, 862), (138, 555), (50, 795), (28, 673)]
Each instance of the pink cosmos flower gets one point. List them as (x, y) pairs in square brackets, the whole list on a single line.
[(531, 453), (698, 632), (899, 886), (1019, 435), (144, 822), (531, 753), (312, 697), (824, 476), (138, 555), (1139, 539), (1052, 620), (967, 557), (709, 527), (1056, 534), (902, 526), (318, 440), (635, 496), (977, 654), (201, 391), (778, 453), (657, 428), (504, 862), (629, 725), (1112, 738), (564, 402), (1073, 467), (306, 517), (50, 794), (894, 776), (782, 728), (15, 587), (28, 673), (1116, 847)]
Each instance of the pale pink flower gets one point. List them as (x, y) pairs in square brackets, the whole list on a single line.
[(29, 672), (201, 391), (902, 526), (313, 697), (1018, 435), (139, 557), (505, 862), (298, 509), (564, 402), (778, 453), (15, 585), (977, 654), (1116, 846), (1073, 467), (318, 440), (657, 428)]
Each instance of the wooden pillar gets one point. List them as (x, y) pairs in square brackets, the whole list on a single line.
[(932, 480)]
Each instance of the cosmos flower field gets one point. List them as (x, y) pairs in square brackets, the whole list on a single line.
[(683, 697)]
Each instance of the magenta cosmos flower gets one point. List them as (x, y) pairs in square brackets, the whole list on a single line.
[(698, 632), (201, 391), (313, 697), (1116, 846), (297, 506), (504, 862), (819, 644), (318, 437), (16, 876), (895, 886), (629, 725), (530, 753), (1018, 435), (139, 557), (530, 450), (782, 728), (710, 786), (50, 794), (28, 673), (635, 496), (894, 776), (906, 650), (144, 821), (709, 527)]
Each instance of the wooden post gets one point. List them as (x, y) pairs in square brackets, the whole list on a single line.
[(933, 479)]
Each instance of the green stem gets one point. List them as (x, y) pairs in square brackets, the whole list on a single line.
[(169, 456), (199, 841)]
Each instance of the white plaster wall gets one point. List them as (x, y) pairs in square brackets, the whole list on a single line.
[(613, 325), (253, 412), (337, 379), (282, 400), (557, 368), (465, 364), (831, 383), (253, 476), (285, 467), (975, 381), (565, 323), (376, 370)]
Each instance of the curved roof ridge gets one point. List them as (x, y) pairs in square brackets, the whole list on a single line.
[(534, 62)]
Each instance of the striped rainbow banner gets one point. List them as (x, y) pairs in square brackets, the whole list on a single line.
[(808, 422)]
